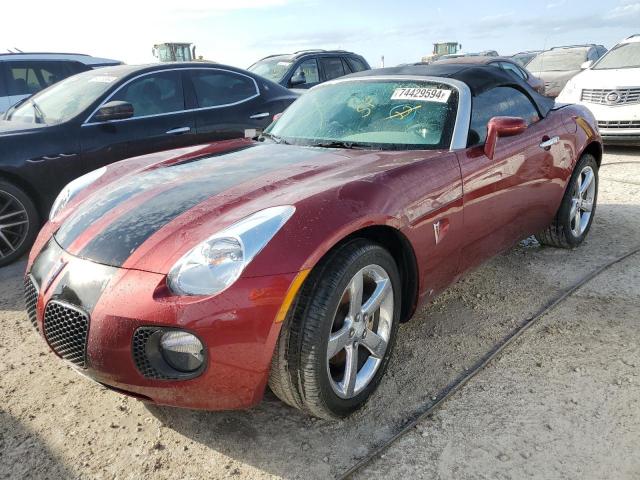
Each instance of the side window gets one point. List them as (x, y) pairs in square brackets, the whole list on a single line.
[(356, 64), (3, 85), (498, 102), (593, 55), (513, 70), (332, 67), (153, 94), (309, 71), (346, 67), (215, 87), (22, 78), (76, 67), (53, 72)]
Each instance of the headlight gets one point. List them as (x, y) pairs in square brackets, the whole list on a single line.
[(182, 351), (72, 189), (215, 264)]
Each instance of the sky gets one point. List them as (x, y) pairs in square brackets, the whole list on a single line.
[(239, 32)]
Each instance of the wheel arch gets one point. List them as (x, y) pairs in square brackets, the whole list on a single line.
[(595, 149), (400, 248), (21, 183)]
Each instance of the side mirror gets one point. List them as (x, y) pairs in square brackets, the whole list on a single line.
[(297, 80), (502, 127), (115, 110), (586, 64)]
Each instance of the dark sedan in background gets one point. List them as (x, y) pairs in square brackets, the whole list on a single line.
[(98, 117), (507, 64)]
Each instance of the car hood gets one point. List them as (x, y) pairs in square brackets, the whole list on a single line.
[(608, 79), (177, 200)]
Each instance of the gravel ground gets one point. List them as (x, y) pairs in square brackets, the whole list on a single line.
[(562, 402)]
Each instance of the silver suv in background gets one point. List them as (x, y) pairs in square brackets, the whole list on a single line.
[(560, 64), (23, 74)]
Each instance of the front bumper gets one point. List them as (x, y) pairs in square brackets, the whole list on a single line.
[(237, 328), (618, 124)]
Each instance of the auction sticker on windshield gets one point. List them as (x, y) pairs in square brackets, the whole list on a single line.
[(421, 94)]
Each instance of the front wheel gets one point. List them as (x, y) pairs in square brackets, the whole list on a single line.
[(575, 215), (19, 222), (336, 342)]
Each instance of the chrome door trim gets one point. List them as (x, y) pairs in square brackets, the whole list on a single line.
[(257, 116), (176, 131)]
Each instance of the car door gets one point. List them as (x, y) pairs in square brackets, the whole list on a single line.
[(505, 197), (160, 120), (330, 68), (227, 104)]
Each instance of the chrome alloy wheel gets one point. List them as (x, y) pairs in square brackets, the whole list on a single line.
[(360, 331), (582, 201), (14, 224)]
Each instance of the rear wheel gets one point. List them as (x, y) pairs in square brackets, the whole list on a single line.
[(19, 222), (575, 215), (336, 342)]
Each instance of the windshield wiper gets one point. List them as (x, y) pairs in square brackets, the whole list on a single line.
[(39, 114), (340, 144), (273, 137)]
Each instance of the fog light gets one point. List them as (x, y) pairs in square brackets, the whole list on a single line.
[(182, 351)]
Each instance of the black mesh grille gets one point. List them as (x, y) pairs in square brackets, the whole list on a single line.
[(31, 299), (143, 364), (66, 328)]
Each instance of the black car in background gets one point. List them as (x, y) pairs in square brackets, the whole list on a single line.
[(308, 68), (100, 116)]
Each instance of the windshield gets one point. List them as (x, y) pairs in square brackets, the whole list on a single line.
[(625, 55), (64, 100), (273, 69), (562, 60), (523, 58), (376, 114)]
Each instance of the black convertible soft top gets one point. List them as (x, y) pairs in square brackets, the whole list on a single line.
[(479, 78)]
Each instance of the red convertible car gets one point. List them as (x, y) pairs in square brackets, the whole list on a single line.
[(195, 277)]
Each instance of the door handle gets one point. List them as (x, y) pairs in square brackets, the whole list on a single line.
[(547, 142), (178, 131), (257, 116), (44, 158)]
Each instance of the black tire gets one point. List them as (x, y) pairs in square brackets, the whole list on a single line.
[(559, 234), (299, 374), (22, 236)]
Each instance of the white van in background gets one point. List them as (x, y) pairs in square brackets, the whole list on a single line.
[(610, 88), (23, 74)]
